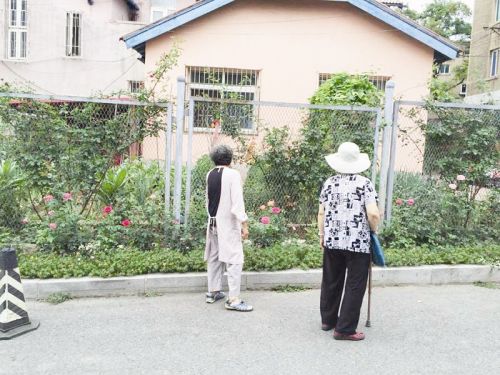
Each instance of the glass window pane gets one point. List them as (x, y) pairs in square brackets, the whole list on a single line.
[(23, 45), (13, 12), (13, 40), (23, 13), (157, 14), (498, 11), (493, 63)]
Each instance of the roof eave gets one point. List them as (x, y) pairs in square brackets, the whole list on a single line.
[(441, 46), (408, 27)]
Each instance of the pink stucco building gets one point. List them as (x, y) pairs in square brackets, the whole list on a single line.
[(286, 47)]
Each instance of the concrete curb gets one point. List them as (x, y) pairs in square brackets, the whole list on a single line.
[(197, 282)]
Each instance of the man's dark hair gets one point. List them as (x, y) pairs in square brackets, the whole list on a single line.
[(221, 155)]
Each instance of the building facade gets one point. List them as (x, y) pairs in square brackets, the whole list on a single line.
[(72, 47), (484, 77)]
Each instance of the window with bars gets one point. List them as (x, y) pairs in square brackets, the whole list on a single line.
[(494, 63), (218, 84), (73, 34), (378, 81), (17, 35), (135, 86)]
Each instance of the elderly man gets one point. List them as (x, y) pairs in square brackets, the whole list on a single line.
[(227, 226)]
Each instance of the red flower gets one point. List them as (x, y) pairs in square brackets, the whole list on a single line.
[(107, 209), (410, 202), (276, 210), (53, 226), (126, 222), (67, 197), (265, 220), (399, 202)]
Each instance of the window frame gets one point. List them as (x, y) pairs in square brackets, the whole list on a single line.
[(493, 63), (444, 73), (497, 11), (69, 35), (17, 26), (166, 11), (462, 91), (374, 79), (135, 86), (223, 88)]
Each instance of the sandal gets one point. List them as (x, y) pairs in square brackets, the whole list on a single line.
[(357, 336)]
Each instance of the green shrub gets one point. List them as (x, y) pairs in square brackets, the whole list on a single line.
[(286, 255)]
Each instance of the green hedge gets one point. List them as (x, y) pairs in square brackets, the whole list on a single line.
[(305, 256)]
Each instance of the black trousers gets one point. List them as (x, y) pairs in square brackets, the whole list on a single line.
[(344, 318)]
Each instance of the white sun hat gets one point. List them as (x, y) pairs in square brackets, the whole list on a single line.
[(348, 159)]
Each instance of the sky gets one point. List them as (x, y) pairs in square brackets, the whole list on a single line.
[(420, 4)]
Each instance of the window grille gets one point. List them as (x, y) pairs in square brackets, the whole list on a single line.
[(378, 81), (222, 83), (73, 34)]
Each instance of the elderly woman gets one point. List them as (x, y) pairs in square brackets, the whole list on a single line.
[(227, 226), (347, 212)]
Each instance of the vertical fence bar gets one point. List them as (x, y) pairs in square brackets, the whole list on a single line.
[(386, 145), (375, 144), (179, 132), (392, 163), (189, 161), (168, 159)]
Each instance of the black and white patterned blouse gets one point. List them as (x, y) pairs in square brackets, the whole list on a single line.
[(345, 197)]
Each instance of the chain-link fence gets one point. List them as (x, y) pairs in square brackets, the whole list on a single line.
[(445, 158), (64, 159), (280, 147)]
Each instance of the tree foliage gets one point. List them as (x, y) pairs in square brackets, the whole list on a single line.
[(448, 18)]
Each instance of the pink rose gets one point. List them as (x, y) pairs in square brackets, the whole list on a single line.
[(24, 221), (276, 210), (452, 186), (126, 222), (460, 177), (53, 226), (265, 220), (48, 198), (263, 207), (107, 209), (410, 202), (399, 202), (67, 197), (50, 213)]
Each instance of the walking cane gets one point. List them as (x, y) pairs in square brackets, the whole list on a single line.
[(368, 323)]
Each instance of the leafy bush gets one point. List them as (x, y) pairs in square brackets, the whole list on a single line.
[(11, 195), (292, 169), (429, 211), (267, 226), (287, 255)]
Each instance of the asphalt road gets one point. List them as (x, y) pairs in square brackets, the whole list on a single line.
[(415, 330)]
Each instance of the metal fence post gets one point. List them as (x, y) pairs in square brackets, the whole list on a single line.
[(390, 177), (376, 134), (168, 159), (189, 160), (386, 146), (179, 132)]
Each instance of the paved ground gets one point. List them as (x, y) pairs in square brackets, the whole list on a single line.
[(416, 330)]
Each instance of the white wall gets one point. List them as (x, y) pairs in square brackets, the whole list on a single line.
[(105, 64)]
